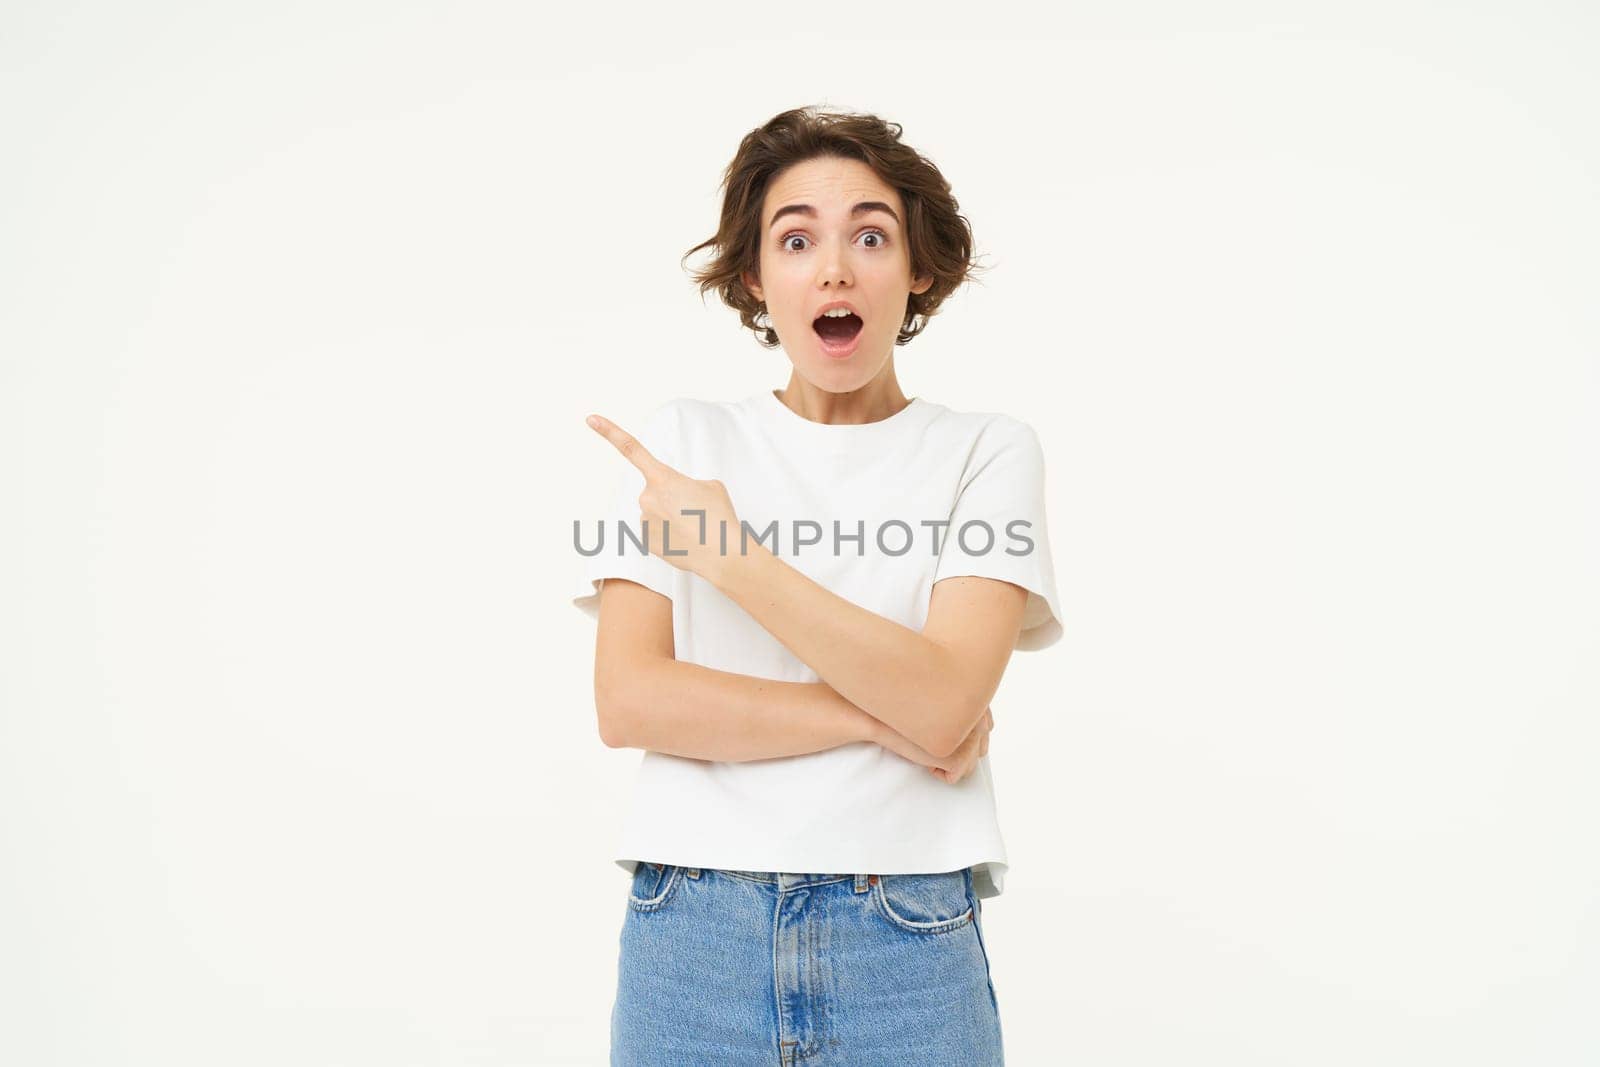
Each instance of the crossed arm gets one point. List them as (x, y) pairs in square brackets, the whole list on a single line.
[(882, 682)]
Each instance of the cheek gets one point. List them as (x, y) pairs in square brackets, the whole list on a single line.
[(787, 284)]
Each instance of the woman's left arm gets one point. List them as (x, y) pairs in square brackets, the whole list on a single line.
[(931, 686)]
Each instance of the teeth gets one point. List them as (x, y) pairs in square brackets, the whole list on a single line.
[(836, 313)]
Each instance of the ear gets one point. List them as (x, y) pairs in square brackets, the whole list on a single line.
[(752, 284), (922, 284)]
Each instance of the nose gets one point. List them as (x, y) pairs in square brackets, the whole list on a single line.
[(834, 271)]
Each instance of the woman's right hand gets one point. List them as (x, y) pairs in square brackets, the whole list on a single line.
[(952, 768)]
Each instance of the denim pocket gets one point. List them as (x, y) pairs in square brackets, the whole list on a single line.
[(924, 903), (653, 885)]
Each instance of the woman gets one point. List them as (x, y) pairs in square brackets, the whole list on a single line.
[(812, 596)]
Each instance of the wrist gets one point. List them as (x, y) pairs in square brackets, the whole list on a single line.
[(730, 571)]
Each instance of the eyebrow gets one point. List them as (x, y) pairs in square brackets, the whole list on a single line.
[(863, 208)]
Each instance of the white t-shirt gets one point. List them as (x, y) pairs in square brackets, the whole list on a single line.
[(911, 498)]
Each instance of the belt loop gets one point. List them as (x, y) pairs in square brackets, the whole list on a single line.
[(693, 872), (861, 883)]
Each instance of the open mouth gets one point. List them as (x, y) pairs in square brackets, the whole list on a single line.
[(837, 332)]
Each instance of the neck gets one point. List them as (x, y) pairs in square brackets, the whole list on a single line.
[(871, 403)]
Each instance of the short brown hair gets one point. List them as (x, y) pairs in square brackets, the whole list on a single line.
[(938, 237)]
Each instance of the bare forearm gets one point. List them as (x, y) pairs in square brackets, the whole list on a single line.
[(685, 709), (892, 672)]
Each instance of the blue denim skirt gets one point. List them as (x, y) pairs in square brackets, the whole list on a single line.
[(740, 968)]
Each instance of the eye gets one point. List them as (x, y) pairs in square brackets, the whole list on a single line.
[(882, 239)]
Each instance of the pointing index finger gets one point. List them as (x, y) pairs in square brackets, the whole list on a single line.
[(631, 447)]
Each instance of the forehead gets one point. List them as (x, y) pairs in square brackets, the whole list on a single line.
[(829, 185)]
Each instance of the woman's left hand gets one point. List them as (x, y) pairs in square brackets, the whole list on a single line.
[(684, 516)]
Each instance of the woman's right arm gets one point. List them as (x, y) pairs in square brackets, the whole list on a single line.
[(646, 698)]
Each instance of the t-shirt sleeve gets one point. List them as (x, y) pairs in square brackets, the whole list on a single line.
[(620, 553), (1004, 488)]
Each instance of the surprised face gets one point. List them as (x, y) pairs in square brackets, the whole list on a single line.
[(835, 270)]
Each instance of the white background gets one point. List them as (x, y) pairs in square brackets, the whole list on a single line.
[(304, 305)]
